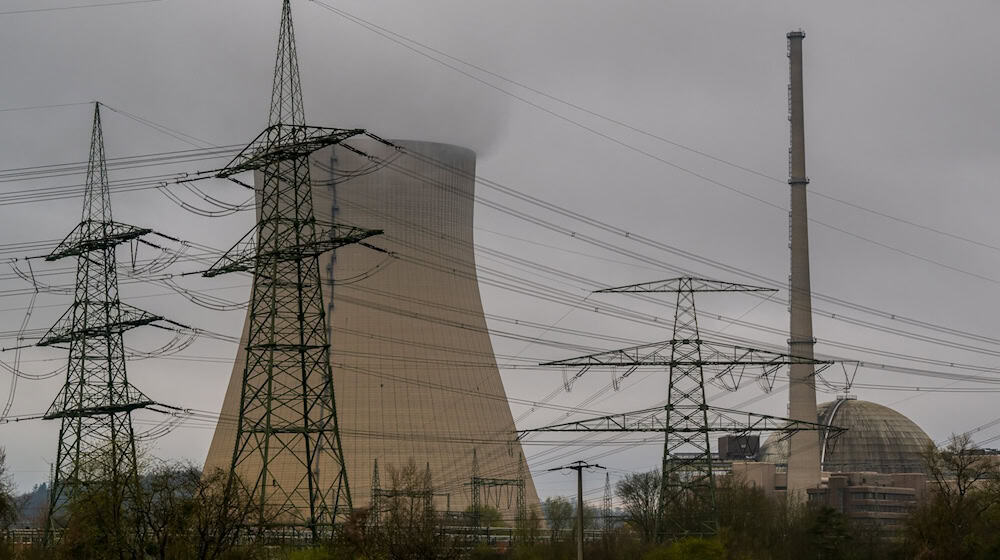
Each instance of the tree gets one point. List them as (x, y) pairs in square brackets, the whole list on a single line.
[(528, 531), (168, 504), (559, 514), (752, 521), (358, 538), (102, 513), (488, 515), (222, 508), (593, 517), (8, 504), (959, 469), (99, 524), (409, 527), (640, 496), (829, 533), (958, 519)]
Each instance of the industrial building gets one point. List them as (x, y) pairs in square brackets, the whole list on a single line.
[(880, 499), (878, 439), (415, 377), (872, 472)]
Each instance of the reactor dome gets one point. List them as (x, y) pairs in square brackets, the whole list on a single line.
[(878, 439)]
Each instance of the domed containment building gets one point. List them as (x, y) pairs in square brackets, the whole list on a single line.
[(878, 439), (414, 373), (874, 472)]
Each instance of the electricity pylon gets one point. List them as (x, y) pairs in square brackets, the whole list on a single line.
[(94, 406), (288, 450), (687, 490), (375, 510), (607, 508)]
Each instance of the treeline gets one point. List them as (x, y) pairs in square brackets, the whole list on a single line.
[(182, 515)]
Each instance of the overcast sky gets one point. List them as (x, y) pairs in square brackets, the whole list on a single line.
[(901, 119)]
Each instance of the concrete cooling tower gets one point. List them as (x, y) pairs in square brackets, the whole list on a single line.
[(413, 366)]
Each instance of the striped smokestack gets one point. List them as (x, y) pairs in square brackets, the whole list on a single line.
[(803, 459)]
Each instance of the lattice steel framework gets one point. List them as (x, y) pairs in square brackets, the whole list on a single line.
[(94, 405), (608, 508), (287, 426), (375, 511), (687, 420), (426, 494), (492, 490)]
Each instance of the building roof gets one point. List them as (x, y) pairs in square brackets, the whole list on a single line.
[(878, 439)]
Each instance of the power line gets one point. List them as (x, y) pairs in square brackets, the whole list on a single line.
[(50, 106), (622, 233), (755, 326), (518, 282), (78, 7), (173, 133), (611, 229), (402, 40), (619, 249)]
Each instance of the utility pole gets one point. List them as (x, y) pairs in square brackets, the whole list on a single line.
[(579, 467)]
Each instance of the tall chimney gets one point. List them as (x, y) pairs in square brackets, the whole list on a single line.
[(803, 457)]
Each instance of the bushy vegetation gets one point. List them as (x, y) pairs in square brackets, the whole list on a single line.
[(184, 514)]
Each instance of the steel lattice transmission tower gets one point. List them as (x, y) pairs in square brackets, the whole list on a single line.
[(287, 426), (607, 509), (687, 492), (94, 406)]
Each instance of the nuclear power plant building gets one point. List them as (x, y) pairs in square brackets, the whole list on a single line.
[(874, 472), (415, 377)]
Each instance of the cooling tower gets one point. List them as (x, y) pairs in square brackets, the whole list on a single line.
[(414, 373)]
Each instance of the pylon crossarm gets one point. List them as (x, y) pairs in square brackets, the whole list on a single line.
[(639, 421), (239, 257), (728, 364), (243, 256), (282, 142), (85, 412), (659, 354), (90, 236), (753, 422), (684, 284), (687, 419), (67, 329), (495, 481), (332, 236), (384, 493)]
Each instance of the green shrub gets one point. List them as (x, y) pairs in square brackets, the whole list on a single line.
[(309, 554), (484, 552), (691, 548)]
